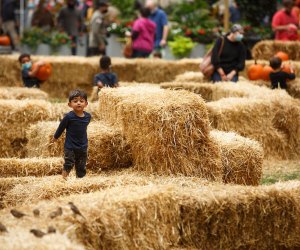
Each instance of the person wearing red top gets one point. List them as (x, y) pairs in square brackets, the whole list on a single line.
[(285, 23)]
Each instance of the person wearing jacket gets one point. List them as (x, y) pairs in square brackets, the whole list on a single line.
[(97, 35), (143, 35), (229, 55)]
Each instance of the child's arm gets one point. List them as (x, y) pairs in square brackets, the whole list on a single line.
[(33, 72), (116, 81), (62, 126)]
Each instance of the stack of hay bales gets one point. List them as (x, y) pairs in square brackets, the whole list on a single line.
[(242, 158), (214, 92), (168, 131), (20, 93), (264, 50), (15, 167), (203, 217), (274, 122), (69, 72), (107, 147), (17, 116), (27, 190)]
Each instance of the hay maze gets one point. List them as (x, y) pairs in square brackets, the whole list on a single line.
[(171, 166)]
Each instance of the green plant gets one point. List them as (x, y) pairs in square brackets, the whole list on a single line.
[(181, 46), (58, 39), (125, 6), (35, 36)]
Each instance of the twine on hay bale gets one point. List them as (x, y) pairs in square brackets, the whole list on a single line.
[(10, 167), (20, 93), (107, 147), (242, 158), (120, 218), (190, 76), (273, 121), (266, 49), (168, 131), (17, 116)]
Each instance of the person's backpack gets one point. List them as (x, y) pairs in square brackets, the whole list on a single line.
[(206, 66)]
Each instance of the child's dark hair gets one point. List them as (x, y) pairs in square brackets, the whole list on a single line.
[(105, 62), (275, 62), (77, 93), (23, 56), (157, 54), (145, 12)]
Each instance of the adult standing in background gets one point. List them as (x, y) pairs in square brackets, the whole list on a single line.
[(8, 21), (70, 21), (285, 23), (143, 34), (97, 35), (159, 17), (42, 17)]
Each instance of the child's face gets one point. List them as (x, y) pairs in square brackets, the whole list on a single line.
[(25, 60), (78, 104)]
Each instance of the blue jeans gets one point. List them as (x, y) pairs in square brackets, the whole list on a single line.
[(216, 77)]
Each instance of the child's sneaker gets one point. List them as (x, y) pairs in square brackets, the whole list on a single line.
[(65, 174)]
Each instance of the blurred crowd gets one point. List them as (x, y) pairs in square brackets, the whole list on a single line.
[(91, 18)]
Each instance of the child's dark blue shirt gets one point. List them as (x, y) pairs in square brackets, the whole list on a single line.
[(107, 79), (29, 81), (76, 136)]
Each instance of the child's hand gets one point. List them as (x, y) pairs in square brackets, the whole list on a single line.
[(40, 63)]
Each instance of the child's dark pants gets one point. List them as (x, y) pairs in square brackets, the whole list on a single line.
[(78, 158)]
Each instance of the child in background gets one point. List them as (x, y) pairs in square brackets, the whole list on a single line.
[(104, 79), (28, 74), (75, 122), (278, 77)]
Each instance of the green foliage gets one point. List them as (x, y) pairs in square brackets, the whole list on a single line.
[(181, 46), (125, 7), (58, 39), (35, 36), (192, 19)]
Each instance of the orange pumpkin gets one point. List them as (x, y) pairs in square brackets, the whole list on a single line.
[(44, 71), (4, 40), (255, 72), (282, 55), (266, 73)]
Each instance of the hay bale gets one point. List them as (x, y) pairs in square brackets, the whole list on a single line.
[(168, 131), (70, 72), (242, 158), (203, 217), (274, 122), (294, 89), (107, 147), (214, 92), (190, 76), (22, 93), (10, 167), (264, 50), (18, 115), (27, 190)]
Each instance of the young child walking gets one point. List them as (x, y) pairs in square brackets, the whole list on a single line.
[(104, 79), (28, 73), (279, 77), (75, 122)]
